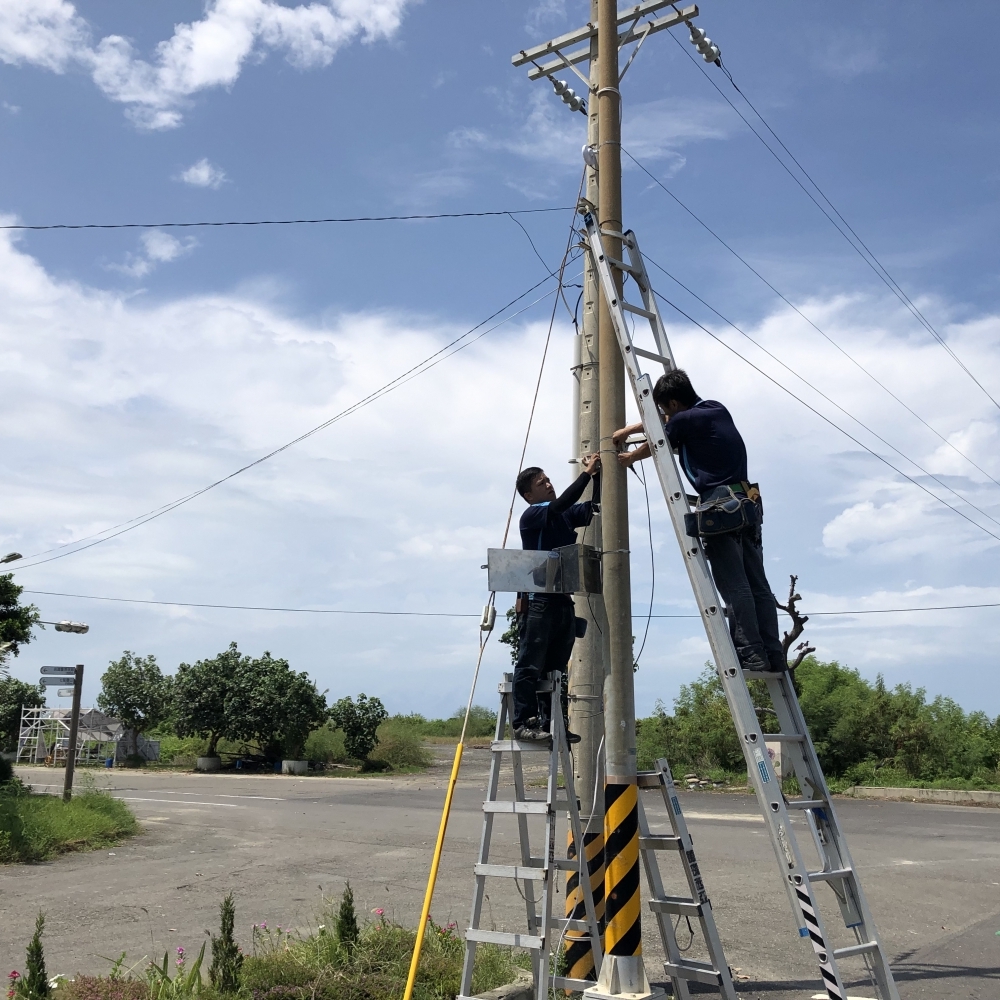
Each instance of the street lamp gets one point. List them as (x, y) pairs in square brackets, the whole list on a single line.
[(10, 557)]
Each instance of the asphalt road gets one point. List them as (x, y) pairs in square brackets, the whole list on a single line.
[(281, 844)]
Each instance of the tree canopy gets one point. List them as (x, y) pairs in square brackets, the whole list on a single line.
[(359, 721), (134, 691), (17, 620), (15, 695)]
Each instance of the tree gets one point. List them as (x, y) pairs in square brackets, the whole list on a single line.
[(200, 693), (16, 620), (270, 703), (135, 692), (227, 959), (15, 695), (347, 920), (34, 985), (359, 721)]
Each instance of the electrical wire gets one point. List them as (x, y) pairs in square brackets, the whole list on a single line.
[(822, 416), (820, 392), (418, 369), (791, 305), (290, 222), (440, 614), (843, 227)]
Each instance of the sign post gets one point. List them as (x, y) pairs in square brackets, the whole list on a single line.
[(74, 728)]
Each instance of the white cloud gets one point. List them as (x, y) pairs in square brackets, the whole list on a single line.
[(203, 54), (847, 56), (12, 108), (158, 247), (203, 174)]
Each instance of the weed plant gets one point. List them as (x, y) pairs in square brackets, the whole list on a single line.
[(37, 827)]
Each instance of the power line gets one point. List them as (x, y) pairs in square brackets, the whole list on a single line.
[(819, 392), (822, 416), (418, 369), (290, 222), (443, 614), (814, 325), (843, 227)]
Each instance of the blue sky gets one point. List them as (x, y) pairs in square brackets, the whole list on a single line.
[(137, 367)]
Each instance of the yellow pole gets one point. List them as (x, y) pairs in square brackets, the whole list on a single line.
[(428, 895)]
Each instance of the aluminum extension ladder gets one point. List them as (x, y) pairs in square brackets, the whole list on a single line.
[(544, 930), (836, 868), (681, 970)]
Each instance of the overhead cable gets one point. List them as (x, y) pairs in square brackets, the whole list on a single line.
[(429, 362), (822, 416), (289, 222), (440, 614), (819, 392), (791, 305), (836, 219)]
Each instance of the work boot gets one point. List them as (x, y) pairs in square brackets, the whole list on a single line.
[(572, 738), (531, 732), (755, 663)]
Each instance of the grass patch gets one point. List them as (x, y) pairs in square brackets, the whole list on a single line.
[(37, 827)]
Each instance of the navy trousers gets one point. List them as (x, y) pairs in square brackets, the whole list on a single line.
[(547, 633)]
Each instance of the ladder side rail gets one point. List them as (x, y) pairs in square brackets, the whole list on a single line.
[(664, 921), (695, 883), (479, 883), (576, 826), (641, 277), (524, 842), (761, 771)]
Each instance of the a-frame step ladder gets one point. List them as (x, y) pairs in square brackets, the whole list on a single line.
[(697, 906), (835, 868), (538, 874)]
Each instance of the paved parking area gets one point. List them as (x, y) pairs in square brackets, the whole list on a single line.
[(281, 844)]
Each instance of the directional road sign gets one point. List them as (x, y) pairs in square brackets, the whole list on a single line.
[(54, 681), (65, 692), (58, 670)]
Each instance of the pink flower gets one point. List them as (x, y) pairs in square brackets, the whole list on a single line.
[(14, 975), (380, 911), (263, 925), (180, 951)]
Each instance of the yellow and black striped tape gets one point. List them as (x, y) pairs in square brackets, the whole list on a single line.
[(623, 922), (579, 961)]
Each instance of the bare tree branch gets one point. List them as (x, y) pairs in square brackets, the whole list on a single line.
[(803, 649)]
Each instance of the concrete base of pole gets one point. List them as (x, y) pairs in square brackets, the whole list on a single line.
[(623, 977)]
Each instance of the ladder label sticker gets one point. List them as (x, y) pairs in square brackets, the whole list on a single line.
[(676, 805), (758, 756)]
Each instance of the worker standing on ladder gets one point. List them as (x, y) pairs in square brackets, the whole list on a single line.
[(547, 623), (728, 514)]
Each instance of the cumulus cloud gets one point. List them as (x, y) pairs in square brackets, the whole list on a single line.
[(158, 247), (203, 174), (203, 54)]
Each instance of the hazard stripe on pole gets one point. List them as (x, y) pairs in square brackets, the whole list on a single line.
[(579, 960), (622, 907)]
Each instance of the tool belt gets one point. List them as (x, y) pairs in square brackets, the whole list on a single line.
[(724, 510)]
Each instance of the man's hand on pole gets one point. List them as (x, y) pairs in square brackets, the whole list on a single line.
[(591, 464)]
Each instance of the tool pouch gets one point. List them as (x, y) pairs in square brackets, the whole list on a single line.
[(580, 627), (721, 512), (521, 604)]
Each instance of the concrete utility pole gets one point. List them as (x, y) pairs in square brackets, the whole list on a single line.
[(587, 667), (622, 970)]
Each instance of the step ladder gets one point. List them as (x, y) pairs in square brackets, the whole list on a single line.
[(814, 805), (666, 908), (538, 874)]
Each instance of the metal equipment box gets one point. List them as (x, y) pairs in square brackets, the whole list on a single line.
[(570, 569)]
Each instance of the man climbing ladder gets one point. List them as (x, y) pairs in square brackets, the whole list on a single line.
[(728, 516)]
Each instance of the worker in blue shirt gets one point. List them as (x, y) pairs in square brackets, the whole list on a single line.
[(714, 459), (547, 625)]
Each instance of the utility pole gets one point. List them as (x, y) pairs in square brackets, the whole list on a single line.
[(74, 729), (587, 666), (622, 970)]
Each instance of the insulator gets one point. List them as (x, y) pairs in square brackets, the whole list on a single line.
[(576, 104), (712, 55), (569, 96), (697, 34), (560, 86)]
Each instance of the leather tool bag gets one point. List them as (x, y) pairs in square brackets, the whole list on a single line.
[(723, 511)]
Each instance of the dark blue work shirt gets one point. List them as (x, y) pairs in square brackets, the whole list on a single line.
[(551, 524), (711, 449)]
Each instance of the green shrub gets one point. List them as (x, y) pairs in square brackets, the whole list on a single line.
[(104, 988), (36, 827), (227, 959), (34, 984), (347, 921), (6, 770), (400, 745), (326, 745)]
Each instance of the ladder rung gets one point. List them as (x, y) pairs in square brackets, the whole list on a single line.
[(638, 310), (513, 746), (564, 864), (622, 266), (805, 804), (648, 779), (699, 972), (784, 737), (829, 875), (666, 362), (534, 808), (564, 923), (659, 843), (855, 949), (678, 905), (532, 941), (512, 871)]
